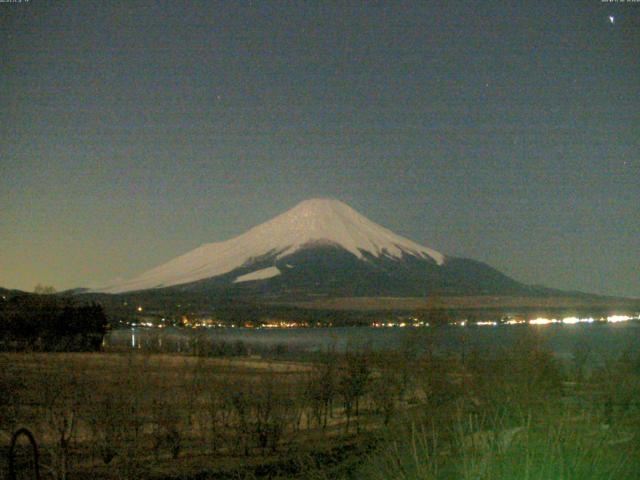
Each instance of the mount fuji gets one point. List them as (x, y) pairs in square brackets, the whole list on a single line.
[(321, 247)]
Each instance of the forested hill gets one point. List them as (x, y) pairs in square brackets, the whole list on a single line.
[(48, 322)]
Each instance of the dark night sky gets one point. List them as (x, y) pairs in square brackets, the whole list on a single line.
[(505, 131)]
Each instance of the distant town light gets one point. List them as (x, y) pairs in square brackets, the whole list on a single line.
[(542, 321), (514, 321), (570, 320)]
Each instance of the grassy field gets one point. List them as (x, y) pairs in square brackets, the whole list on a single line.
[(521, 417), (150, 416), (500, 414)]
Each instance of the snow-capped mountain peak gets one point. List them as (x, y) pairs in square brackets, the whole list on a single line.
[(325, 219), (314, 221)]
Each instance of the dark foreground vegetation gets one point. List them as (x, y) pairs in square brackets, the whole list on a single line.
[(50, 323), (412, 414)]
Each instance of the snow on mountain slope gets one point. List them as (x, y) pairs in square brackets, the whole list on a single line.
[(311, 221), (261, 274)]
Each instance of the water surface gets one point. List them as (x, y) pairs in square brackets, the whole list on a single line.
[(602, 340)]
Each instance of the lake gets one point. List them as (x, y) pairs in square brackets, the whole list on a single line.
[(601, 339)]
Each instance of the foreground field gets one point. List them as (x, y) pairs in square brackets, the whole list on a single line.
[(148, 416), (411, 414)]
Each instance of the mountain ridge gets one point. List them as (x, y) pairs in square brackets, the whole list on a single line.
[(313, 222), (322, 247)]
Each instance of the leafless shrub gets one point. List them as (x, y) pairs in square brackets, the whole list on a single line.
[(386, 390), (216, 409), (353, 381), (115, 414), (11, 387), (321, 389), (63, 393), (165, 417)]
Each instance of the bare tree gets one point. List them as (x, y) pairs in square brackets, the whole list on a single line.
[(239, 400), (194, 384), (63, 394), (386, 388), (130, 389), (354, 379), (216, 408), (165, 417), (274, 410), (11, 386), (44, 289)]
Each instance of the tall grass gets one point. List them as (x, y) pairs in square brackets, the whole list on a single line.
[(520, 415), (565, 447)]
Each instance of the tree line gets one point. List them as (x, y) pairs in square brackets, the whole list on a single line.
[(50, 323)]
